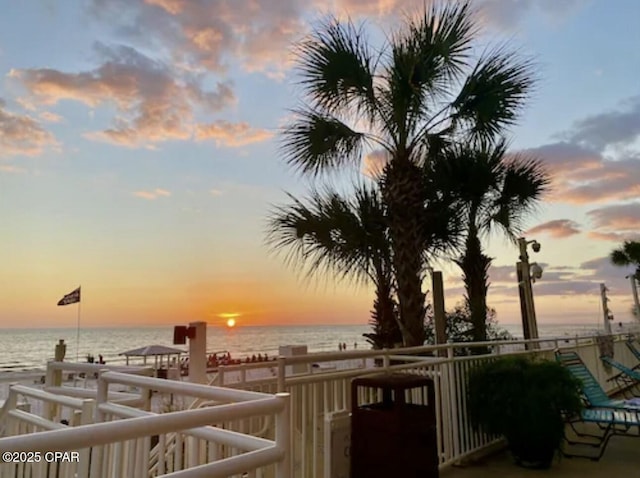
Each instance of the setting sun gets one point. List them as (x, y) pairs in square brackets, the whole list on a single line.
[(231, 322)]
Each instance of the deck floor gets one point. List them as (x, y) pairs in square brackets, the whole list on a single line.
[(621, 459)]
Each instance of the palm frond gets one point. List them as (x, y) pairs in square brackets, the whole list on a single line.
[(329, 233), (338, 69), (426, 58), (316, 143), (524, 181), (628, 254), (619, 258), (492, 96)]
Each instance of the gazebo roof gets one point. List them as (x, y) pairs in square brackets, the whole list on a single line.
[(152, 350)]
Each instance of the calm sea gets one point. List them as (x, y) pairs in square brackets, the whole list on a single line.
[(29, 349)]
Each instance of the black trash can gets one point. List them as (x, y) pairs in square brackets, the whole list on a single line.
[(393, 427)]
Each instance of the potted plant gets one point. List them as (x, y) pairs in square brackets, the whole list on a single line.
[(524, 400)]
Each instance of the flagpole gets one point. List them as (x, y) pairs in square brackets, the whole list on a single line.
[(78, 334)]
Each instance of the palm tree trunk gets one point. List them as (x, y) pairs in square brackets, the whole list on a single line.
[(475, 268), (402, 191), (384, 314)]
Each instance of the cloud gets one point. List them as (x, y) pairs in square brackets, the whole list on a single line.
[(154, 102), (8, 168), (22, 134), (602, 270), (150, 195), (612, 128), (581, 175), (502, 273), (618, 222), (50, 117), (584, 279), (205, 34), (559, 228), (508, 14), (214, 35), (228, 134), (497, 14), (216, 192)]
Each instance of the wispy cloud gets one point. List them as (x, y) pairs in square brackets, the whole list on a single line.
[(8, 168), (618, 222), (155, 103), (22, 134), (150, 195), (581, 175), (558, 228), (232, 135), (50, 117), (618, 127), (204, 34)]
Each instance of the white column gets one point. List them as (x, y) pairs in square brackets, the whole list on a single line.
[(198, 353)]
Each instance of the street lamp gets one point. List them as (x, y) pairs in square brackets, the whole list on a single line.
[(528, 273), (634, 291)]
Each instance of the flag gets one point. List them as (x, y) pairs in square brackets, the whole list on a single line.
[(70, 298)]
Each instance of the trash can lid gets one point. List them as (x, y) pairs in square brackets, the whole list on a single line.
[(393, 380)]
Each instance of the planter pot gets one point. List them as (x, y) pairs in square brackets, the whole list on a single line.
[(528, 455)]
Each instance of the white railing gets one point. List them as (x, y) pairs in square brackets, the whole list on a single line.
[(119, 444), (312, 397)]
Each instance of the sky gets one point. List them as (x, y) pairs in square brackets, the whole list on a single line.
[(139, 159)]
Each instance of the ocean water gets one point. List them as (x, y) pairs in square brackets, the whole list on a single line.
[(29, 349)]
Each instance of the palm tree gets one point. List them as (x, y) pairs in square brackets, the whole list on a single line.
[(421, 90), (347, 237), (627, 255), (494, 190)]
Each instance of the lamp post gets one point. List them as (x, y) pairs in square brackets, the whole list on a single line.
[(634, 291), (524, 269)]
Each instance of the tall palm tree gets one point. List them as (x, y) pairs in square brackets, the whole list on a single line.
[(422, 89), (494, 190), (627, 255), (347, 237)]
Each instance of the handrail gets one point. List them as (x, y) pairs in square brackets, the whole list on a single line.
[(357, 354), (210, 433), (234, 465), (50, 397), (131, 428), (184, 388), (97, 367), (35, 420)]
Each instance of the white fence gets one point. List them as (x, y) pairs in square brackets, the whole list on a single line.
[(270, 423), (119, 441)]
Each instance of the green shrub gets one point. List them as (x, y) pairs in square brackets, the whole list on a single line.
[(524, 401)]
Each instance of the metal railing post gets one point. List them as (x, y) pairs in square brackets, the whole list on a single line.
[(283, 436), (453, 388), (282, 372), (86, 417), (102, 396)]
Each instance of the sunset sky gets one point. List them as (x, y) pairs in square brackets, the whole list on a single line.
[(139, 159)]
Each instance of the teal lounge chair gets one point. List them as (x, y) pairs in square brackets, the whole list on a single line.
[(628, 377), (594, 395), (611, 422), (634, 350)]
